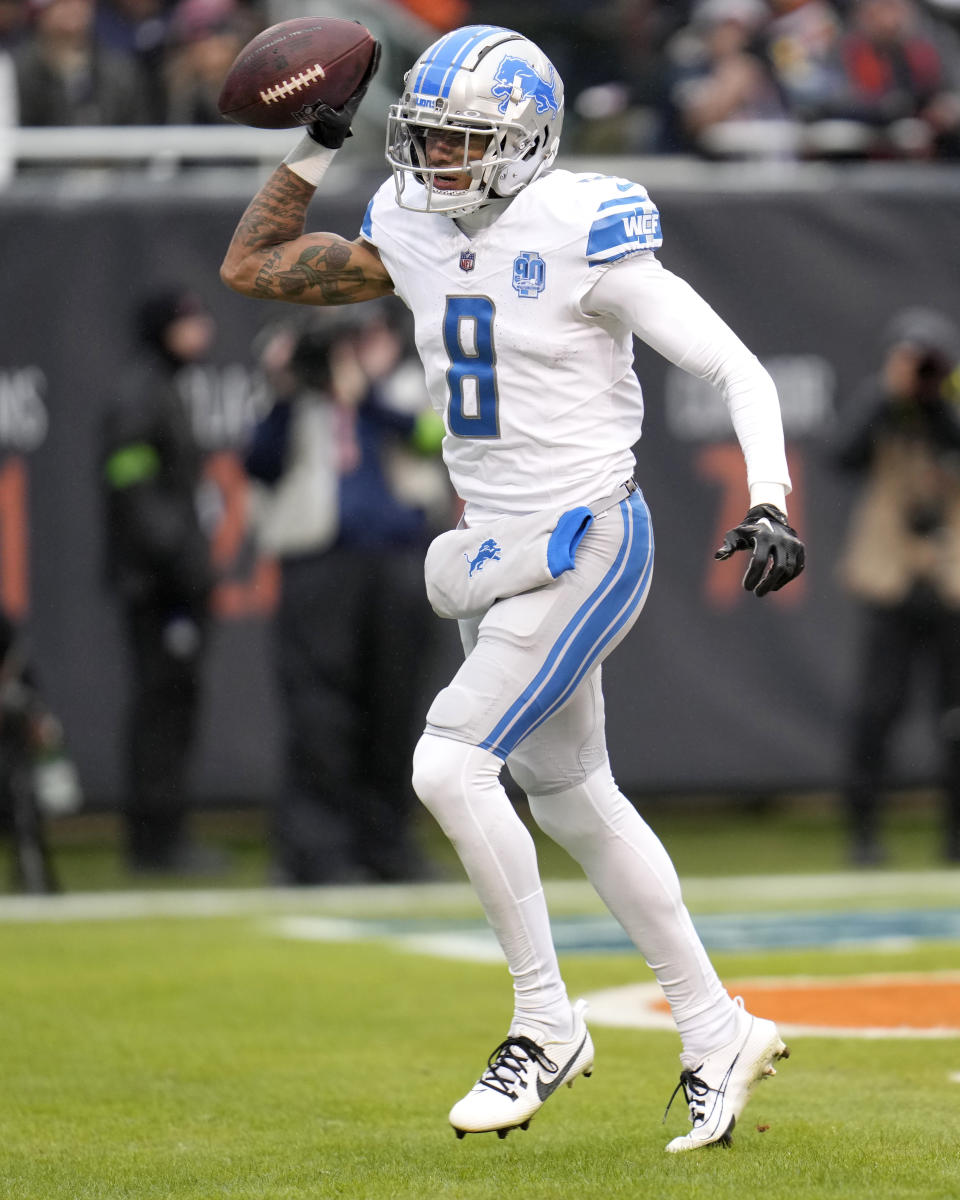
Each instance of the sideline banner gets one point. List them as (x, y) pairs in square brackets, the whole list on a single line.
[(713, 690)]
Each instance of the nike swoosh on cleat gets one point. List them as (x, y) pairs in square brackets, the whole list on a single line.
[(548, 1087)]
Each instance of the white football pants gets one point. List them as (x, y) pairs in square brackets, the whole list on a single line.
[(529, 693)]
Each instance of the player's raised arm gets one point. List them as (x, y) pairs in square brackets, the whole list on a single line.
[(270, 257)]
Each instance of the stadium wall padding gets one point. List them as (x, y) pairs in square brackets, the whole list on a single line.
[(714, 690)]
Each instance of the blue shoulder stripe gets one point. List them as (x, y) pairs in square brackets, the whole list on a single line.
[(629, 200), (624, 231)]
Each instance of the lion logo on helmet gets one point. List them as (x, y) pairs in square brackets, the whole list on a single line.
[(516, 74)]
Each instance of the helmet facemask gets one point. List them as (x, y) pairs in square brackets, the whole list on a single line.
[(479, 148)]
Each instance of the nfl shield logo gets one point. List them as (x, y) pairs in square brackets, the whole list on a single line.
[(468, 260)]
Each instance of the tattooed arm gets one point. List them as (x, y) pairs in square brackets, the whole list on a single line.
[(271, 258)]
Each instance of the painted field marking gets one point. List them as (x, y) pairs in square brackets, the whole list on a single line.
[(891, 1005), (463, 943), (895, 1005), (473, 941)]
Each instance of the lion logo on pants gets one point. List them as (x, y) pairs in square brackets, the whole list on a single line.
[(489, 551)]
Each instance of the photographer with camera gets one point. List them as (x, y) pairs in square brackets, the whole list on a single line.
[(902, 559), (353, 633), (37, 778)]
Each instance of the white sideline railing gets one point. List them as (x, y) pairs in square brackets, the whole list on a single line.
[(136, 143), (158, 152)]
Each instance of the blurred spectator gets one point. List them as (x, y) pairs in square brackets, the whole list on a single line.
[(37, 780), (721, 80), (802, 42), (439, 14), (901, 80), (354, 631), (14, 21), (622, 112), (902, 561), (139, 28), (64, 77), (159, 565), (205, 37)]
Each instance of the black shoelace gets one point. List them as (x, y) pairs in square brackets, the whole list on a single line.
[(507, 1060), (694, 1092)]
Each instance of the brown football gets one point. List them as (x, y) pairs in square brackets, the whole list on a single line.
[(279, 76)]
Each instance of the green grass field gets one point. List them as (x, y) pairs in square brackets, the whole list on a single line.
[(752, 837), (201, 1057)]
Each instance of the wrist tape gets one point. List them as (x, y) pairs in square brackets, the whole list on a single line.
[(309, 160)]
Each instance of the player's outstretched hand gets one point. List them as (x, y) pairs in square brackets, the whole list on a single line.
[(777, 554), (331, 126)]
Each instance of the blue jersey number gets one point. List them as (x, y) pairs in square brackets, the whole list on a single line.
[(471, 377)]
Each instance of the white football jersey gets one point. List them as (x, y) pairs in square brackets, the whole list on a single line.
[(540, 401)]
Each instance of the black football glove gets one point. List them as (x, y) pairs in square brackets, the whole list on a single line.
[(777, 553), (331, 126)]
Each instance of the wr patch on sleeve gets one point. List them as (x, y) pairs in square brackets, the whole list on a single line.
[(623, 225)]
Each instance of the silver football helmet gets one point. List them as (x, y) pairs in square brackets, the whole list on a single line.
[(494, 103)]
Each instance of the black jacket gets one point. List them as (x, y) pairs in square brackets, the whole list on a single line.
[(150, 470)]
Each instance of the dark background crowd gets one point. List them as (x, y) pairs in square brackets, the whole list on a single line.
[(837, 79)]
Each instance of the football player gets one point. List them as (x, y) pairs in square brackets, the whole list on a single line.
[(528, 284)]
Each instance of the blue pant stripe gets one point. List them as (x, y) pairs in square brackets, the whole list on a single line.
[(533, 688), (576, 650), (588, 661)]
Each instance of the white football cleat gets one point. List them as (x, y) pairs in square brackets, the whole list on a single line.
[(718, 1090), (521, 1075)]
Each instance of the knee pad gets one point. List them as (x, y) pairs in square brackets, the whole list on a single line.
[(445, 772)]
